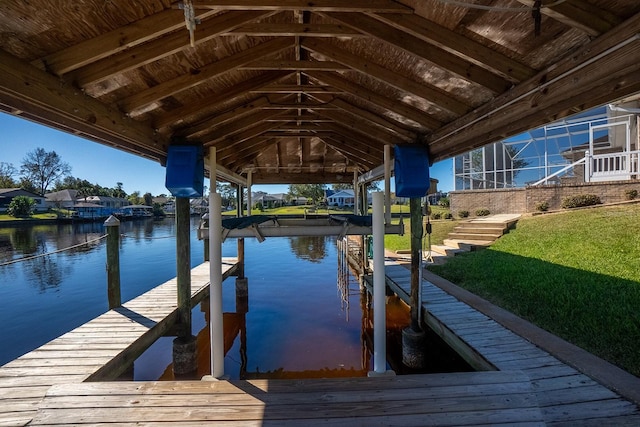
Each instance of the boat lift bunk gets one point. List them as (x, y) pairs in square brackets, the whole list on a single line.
[(263, 226)]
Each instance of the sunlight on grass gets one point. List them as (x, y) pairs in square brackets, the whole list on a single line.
[(576, 274)]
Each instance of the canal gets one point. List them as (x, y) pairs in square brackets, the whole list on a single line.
[(305, 316)]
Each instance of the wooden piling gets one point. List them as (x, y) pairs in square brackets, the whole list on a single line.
[(183, 266), (415, 213), (113, 261)]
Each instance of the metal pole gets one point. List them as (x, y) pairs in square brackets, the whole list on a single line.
[(379, 297), (216, 328), (113, 261), (183, 265)]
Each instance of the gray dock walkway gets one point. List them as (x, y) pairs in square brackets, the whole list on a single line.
[(565, 395), (98, 350)]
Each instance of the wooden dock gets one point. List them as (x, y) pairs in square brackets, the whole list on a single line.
[(473, 399), (98, 350), (565, 395)]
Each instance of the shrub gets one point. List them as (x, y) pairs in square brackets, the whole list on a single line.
[(436, 215), (448, 215), (444, 202), (580, 200), (463, 214), (630, 194), (21, 206), (482, 212), (542, 206)]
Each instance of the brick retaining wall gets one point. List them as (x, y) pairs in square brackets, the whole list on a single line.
[(524, 200)]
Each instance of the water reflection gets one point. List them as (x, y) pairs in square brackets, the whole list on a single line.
[(310, 248)]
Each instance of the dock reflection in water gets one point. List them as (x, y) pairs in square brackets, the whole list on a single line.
[(301, 322)]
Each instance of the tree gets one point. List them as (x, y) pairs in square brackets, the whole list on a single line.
[(7, 172), (148, 199), (135, 199), (21, 206), (43, 168), (314, 192), (118, 191)]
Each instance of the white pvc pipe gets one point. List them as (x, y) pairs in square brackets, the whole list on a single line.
[(387, 184), (249, 183), (216, 328), (379, 297)]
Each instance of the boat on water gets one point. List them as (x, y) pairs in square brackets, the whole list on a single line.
[(134, 212)]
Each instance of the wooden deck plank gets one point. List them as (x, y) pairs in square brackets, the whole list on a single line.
[(474, 398), (564, 390), (86, 350)]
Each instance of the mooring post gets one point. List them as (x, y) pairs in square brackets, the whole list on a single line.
[(242, 282), (113, 261), (184, 345), (413, 337), (205, 225)]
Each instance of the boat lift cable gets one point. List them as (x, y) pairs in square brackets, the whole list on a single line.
[(52, 252), (429, 256)]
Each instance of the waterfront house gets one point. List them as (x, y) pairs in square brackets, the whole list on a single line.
[(63, 199), (7, 195)]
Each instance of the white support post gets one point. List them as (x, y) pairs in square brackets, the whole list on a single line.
[(249, 183), (587, 166), (216, 328), (355, 192), (387, 184), (379, 297)]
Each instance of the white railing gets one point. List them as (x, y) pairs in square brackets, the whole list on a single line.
[(611, 166), (564, 169)]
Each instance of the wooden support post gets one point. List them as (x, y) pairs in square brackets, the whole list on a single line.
[(183, 266), (205, 224), (240, 270), (416, 245), (113, 261)]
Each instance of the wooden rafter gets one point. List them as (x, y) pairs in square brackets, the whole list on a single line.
[(315, 6)]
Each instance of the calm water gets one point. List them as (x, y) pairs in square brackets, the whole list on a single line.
[(305, 315)]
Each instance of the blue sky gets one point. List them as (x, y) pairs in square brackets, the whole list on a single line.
[(106, 166)]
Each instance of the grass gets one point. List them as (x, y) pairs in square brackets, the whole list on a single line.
[(439, 231), (576, 274), (48, 215)]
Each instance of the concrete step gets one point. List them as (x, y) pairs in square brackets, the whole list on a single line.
[(483, 225), (474, 236), (446, 250), (470, 229), (468, 245)]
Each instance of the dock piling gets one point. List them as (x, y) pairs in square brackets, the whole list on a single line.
[(113, 261)]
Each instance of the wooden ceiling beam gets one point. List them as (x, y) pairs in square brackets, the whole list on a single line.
[(118, 40), (353, 148), (458, 44), (230, 154), (358, 159), (161, 48), (387, 123), (307, 89), (606, 68), (187, 81), (262, 29), (226, 131), (305, 118), (294, 65), (182, 115), (579, 14), (44, 98), (295, 177), (382, 6), (414, 46), (394, 105), (430, 93), (366, 128)]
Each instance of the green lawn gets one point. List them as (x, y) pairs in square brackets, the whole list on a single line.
[(439, 231), (48, 215), (576, 274)]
